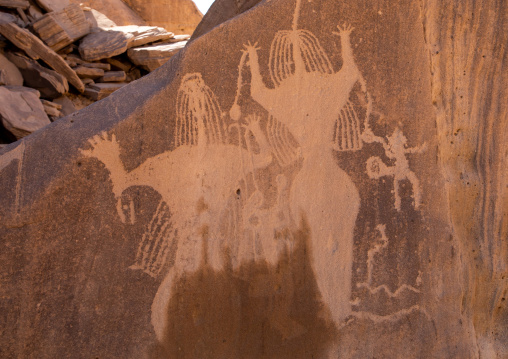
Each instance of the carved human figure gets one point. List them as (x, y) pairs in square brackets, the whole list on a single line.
[(307, 99), (196, 180), (395, 149)]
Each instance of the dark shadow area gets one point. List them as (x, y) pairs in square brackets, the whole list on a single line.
[(256, 311)]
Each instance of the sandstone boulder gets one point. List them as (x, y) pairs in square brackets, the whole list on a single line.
[(21, 112), (309, 179)]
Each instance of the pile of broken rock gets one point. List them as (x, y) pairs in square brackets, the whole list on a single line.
[(44, 49)]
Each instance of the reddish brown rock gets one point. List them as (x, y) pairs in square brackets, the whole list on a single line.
[(116, 10), (36, 49), (153, 56), (48, 82), (179, 16), (89, 72), (309, 179), (21, 112), (15, 4), (113, 76), (9, 73), (59, 29)]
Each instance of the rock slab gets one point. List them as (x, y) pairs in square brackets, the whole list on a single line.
[(21, 112), (59, 29), (330, 183)]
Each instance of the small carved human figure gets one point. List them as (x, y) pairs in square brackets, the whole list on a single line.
[(396, 150)]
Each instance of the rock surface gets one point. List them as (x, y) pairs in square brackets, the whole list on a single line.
[(115, 10), (181, 16), (9, 73), (36, 49), (337, 190), (49, 83), (21, 112), (153, 56), (59, 29)]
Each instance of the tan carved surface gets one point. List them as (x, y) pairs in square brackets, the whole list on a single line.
[(301, 194)]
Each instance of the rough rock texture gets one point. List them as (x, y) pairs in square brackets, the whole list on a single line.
[(59, 29), (48, 82), (116, 40), (9, 73), (153, 56), (116, 10), (180, 16), (36, 49), (328, 192), (21, 112), (221, 11)]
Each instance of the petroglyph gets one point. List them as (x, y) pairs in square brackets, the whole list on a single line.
[(212, 204), (401, 314), (154, 248), (196, 181), (395, 149), (382, 244), (307, 98)]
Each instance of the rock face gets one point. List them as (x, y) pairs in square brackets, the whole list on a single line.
[(181, 16), (310, 179)]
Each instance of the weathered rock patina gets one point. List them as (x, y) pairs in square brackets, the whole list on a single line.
[(310, 179)]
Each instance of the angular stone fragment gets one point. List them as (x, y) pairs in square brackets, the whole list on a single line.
[(89, 72), (154, 56), (59, 29), (36, 49), (103, 44), (9, 73), (141, 35), (116, 40), (88, 81), (51, 108), (48, 82), (113, 76), (21, 112), (120, 64), (15, 4), (97, 19), (102, 90), (67, 106), (74, 60), (178, 38)]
